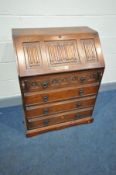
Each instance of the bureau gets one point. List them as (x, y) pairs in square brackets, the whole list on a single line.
[(59, 71)]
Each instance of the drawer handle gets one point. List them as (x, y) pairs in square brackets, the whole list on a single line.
[(46, 122), (78, 104), (45, 111), (82, 79), (77, 116), (45, 84), (81, 92), (45, 98)]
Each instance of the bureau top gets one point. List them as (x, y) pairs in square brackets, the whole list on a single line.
[(52, 50), (51, 31)]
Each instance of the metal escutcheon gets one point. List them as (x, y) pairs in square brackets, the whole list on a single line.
[(81, 92), (45, 110), (46, 122), (78, 104)]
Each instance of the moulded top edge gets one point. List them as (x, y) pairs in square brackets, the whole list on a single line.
[(51, 31)]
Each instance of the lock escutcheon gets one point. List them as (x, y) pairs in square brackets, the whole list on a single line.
[(46, 122), (78, 104), (81, 92), (45, 110)]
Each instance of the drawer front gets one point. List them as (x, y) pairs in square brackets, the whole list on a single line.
[(40, 83), (53, 108), (63, 117), (61, 94)]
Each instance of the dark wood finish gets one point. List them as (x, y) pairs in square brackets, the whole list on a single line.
[(33, 132), (57, 107), (60, 94), (74, 49), (59, 118), (60, 70)]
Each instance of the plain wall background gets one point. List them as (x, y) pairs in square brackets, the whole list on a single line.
[(97, 14)]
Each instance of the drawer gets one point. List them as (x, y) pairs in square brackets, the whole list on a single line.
[(59, 118), (57, 107), (60, 80), (60, 94)]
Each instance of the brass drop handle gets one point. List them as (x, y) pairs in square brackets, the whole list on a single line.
[(45, 84), (78, 104), (45, 110), (81, 92), (46, 122), (45, 98)]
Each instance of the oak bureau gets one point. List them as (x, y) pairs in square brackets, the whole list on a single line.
[(60, 71)]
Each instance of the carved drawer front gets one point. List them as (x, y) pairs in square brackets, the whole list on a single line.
[(58, 95), (57, 107), (55, 81), (59, 118)]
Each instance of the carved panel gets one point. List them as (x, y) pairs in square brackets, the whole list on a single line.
[(32, 54), (61, 52), (89, 49)]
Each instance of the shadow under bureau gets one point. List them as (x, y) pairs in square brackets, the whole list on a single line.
[(60, 71)]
